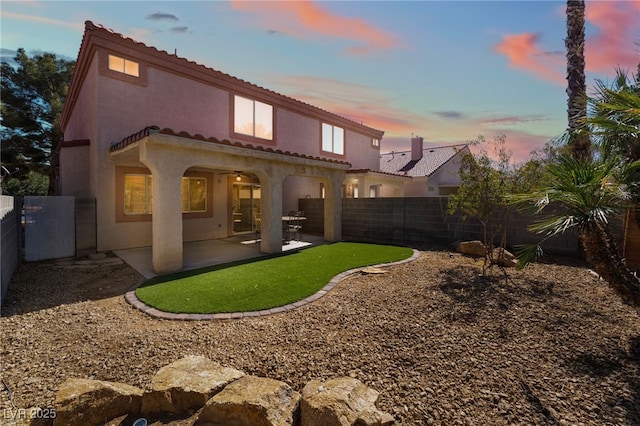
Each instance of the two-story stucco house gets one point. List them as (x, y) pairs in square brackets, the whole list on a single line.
[(173, 151)]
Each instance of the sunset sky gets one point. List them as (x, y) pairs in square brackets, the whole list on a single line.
[(446, 71)]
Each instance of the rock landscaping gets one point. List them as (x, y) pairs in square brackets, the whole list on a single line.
[(442, 344), (218, 396)]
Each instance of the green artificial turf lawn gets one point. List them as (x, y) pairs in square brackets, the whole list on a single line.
[(262, 284)]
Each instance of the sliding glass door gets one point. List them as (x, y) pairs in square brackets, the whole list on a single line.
[(246, 207)]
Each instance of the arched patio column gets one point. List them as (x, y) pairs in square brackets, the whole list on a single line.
[(166, 246), (271, 211), (363, 190), (333, 207)]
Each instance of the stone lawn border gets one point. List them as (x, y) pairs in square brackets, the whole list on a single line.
[(133, 300)]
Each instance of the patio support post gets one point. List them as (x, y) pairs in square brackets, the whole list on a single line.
[(333, 207), (362, 188), (166, 222), (271, 211)]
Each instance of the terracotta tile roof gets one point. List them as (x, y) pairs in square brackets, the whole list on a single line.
[(222, 78), (378, 172), (135, 137), (432, 159)]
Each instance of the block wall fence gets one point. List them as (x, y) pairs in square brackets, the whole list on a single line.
[(420, 221), (9, 241)]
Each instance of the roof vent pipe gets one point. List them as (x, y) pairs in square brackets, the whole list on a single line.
[(416, 148)]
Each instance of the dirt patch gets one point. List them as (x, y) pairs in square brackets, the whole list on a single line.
[(549, 345)]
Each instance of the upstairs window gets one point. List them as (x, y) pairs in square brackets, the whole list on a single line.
[(253, 118), (125, 66), (375, 143), (332, 139)]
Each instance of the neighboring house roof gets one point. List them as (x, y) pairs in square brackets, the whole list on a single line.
[(432, 159), (97, 36), (377, 172), (131, 139)]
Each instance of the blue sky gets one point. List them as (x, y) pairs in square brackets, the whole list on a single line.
[(444, 70)]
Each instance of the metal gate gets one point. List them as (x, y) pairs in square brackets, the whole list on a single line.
[(49, 228)]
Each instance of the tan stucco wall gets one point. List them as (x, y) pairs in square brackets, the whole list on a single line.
[(391, 191), (417, 187), (360, 153), (74, 179), (302, 134), (297, 133), (178, 103), (83, 124)]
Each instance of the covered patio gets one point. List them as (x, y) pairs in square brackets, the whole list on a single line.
[(168, 155)]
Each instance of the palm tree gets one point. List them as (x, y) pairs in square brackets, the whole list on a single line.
[(614, 117), (614, 122), (585, 195), (576, 82)]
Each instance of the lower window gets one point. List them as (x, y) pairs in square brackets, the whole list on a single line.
[(135, 194), (194, 194), (138, 194)]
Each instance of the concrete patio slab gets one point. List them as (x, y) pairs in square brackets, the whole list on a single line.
[(200, 254)]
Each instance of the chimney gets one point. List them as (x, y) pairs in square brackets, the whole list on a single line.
[(416, 148)]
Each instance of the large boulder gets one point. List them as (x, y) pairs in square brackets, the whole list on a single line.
[(85, 402), (499, 255), (186, 384), (343, 401), (252, 401), (504, 258), (472, 248)]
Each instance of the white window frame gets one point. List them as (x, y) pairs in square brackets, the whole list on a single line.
[(256, 105), (333, 139)]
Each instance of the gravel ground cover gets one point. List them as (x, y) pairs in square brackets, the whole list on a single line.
[(549, 345)]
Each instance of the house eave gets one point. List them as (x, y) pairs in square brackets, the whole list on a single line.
[(378, 173), (186, 141)]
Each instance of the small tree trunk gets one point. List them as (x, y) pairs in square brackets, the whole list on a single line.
[(603, 254)]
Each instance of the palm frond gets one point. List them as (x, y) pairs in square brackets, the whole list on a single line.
[(555, 225), (527, 253)]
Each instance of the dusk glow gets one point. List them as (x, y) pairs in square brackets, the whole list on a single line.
[(446, 71)]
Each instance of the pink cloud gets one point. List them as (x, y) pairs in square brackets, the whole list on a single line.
[(512, 119), (358, 102), (305, 17), (380, 110), (613, 44), (43, 20), (522, 143), (523, 52)]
